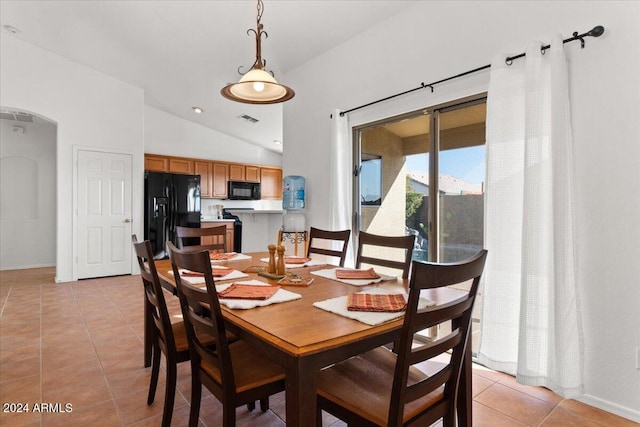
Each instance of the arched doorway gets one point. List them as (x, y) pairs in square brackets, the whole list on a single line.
[(28, 201)]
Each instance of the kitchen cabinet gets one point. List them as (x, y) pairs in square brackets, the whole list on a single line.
[(236, 172), (252, 173), (215, 176), (180, 165), (271, 183), (205, 170), (209, 240), (244, 173), (156, 163), (220, 180)]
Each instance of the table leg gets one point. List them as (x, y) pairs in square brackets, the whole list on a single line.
[(301, 384)]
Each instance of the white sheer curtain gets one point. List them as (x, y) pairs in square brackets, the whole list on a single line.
[(530, 324), (340, 185)]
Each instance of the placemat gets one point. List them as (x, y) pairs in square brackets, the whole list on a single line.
[(339, 306), (199, 279), (342, 273), (236, 257), (330, 273), (309, 263), (282, 295), (240, 291)]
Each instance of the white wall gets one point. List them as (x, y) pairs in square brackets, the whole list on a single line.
[(91, 110), (433, 40), (28, 193), (171, 135)]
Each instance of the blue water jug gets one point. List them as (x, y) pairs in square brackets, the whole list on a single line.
[(293, 193)]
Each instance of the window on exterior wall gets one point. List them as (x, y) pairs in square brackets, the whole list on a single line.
[(371, 180)]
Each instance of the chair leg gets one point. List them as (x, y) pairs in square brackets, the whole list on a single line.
[(228, 416), (155, 371), (318, 416), (251, 406), (196, 392), (264, 404), (170, 393)]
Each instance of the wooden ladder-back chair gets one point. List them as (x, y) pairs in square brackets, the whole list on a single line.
[(315, 234), (400, 242), (235, 373), (210, 238), (166, 337), (380, 388)]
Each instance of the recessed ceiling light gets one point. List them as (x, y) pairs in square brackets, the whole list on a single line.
[(277, 142), (197, 110), (11, 29)]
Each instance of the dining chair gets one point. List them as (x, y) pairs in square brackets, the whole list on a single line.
[(210, 238), (235, 373), (317, 235), (368, 240), (381, 388), (166, 337)]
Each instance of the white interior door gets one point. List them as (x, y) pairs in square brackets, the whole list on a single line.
[(104, 214)]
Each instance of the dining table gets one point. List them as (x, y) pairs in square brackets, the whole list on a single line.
[(303, 339)]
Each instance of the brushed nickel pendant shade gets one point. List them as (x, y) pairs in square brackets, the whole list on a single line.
[(258, 86)]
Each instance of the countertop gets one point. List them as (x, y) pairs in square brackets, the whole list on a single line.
[(252, 212)]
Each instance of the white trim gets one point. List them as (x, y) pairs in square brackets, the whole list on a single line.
[(611, 407), (74, 206), (24, 267)]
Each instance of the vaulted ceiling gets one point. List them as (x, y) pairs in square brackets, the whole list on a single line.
[(183, 52)]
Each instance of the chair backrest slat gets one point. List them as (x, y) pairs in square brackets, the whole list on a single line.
[(400, 242), (203, 238), (458, 313), (316, 235)]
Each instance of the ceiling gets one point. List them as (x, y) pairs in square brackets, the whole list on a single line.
[(183, 52)]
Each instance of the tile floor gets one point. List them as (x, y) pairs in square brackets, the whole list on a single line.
[(80, 343)]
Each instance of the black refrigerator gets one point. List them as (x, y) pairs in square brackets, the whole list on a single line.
[(171, 200)]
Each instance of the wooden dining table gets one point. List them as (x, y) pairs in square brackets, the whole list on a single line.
[(304, 339)]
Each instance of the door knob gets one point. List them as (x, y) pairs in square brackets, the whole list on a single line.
[(127, 220)]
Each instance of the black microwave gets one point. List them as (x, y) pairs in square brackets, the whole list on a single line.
[(244, 190)]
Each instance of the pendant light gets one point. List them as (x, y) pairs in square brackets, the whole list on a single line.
[(257, 86)]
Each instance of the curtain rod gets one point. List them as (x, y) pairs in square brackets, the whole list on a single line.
[(594, 32)]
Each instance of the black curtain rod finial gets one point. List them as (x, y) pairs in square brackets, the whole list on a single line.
[(596, 31)]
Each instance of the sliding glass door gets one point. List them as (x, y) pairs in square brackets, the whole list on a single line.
[(422, 173)]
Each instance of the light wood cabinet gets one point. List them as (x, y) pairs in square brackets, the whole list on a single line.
[(220, 180), (205, 170), (215, 176), (156, 163), (271, 183), (179, 165), (210, 239), (252, 173), (236, 172)]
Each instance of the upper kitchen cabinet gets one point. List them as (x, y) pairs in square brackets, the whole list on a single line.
[(156, 163), (244, 173), (179, 165), (271, 183), (220, 179), (252, 173), (205, 170), (236, 172)]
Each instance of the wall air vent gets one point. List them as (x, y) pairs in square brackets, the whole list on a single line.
[(16, 116), (248, 118)]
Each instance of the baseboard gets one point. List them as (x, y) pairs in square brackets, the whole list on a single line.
[(24, 267), (613, 408)]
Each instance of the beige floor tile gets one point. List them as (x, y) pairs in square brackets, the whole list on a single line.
[(484, 416), (104, 414), (515, 404)]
